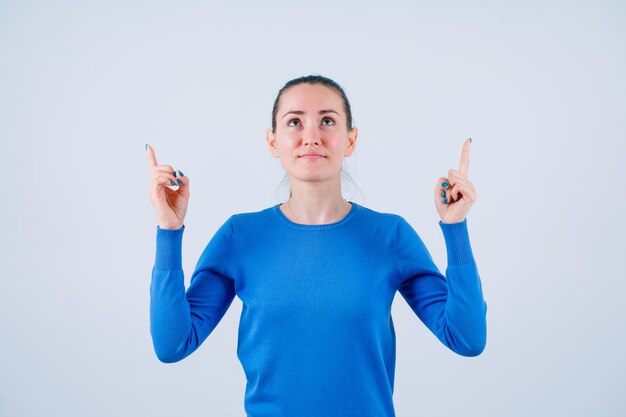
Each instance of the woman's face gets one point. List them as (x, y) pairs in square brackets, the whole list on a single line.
[(310, 119)]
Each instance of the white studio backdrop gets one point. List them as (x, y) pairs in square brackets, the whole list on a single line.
[(539, 86)]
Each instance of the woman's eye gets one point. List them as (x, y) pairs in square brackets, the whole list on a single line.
[(332, 122), (293, 120)]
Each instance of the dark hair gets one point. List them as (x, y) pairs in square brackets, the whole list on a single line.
[(314, 79)]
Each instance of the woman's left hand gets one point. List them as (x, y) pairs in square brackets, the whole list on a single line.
[(455, 195)]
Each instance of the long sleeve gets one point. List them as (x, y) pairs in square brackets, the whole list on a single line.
[(180, 321), (451, 306)]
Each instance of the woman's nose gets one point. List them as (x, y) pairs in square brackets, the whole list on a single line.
[(311, 134)]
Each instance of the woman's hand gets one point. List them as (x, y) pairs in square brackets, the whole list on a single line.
[(455, 195), (170, 205)]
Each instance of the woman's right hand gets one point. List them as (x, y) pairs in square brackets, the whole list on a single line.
[(170, 206)]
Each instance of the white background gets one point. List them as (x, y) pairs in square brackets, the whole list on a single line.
[(539, 86)]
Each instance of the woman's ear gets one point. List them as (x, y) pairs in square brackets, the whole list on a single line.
[(271, 143), (352, 135)]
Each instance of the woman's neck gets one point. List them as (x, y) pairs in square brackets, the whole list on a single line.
[(315, 211)]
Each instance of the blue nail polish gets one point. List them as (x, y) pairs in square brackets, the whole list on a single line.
[(172, 182), (453, 200), (146, 146), (174, 172), (443, 193), (181, 173), (444, 184), (470, 140), (179, 183), (445, 200)]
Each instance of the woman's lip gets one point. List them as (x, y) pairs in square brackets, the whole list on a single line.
[(312, 156)]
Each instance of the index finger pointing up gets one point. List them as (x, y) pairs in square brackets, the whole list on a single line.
[(151, 157), (464, 165)]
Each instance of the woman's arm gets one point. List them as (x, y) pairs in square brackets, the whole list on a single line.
[(451, 306), (180, 321)]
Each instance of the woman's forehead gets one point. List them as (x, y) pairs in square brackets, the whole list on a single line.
[(310, 96)]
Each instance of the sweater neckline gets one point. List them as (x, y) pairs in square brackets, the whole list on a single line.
[(327, 226)]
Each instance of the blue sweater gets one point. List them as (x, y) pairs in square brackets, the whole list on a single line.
[(316, 336)]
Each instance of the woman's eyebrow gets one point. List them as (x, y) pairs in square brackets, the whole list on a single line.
[(301, 112)]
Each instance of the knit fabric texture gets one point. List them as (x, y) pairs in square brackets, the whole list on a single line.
[(316, 335)]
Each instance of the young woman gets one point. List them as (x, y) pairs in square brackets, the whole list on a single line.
[(316, 275)]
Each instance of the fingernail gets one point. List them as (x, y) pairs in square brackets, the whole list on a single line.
[(179, 183), (445, 200), (443, 193), (146, 146), (174, 172), (453, 200), (470, 140), (444, 184), (181, 173), (172, 182)]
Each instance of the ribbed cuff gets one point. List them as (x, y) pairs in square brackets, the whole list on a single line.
[(457, 240), (169, 243)]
